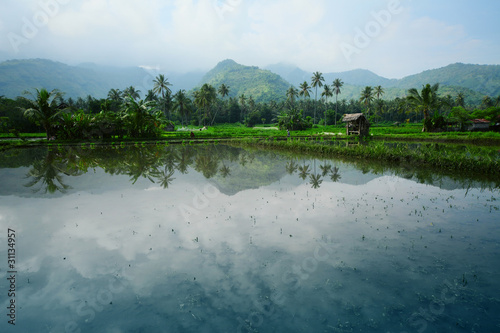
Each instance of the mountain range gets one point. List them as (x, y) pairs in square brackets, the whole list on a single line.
[(269, 83)]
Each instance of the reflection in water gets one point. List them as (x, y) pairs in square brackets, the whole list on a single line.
[(159, 164), (47, 173), (223, 239)]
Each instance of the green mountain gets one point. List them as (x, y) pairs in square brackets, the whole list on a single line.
[(356, 77), (262, 85), (474, 81), (271, 83), (86, 79), (484, 79)]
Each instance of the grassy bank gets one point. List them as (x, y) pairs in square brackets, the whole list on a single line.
[(461, 159)]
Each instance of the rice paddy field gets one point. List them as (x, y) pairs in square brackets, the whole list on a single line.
[(245, 238)]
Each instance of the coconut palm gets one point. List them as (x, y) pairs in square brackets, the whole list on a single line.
[(223, 90), (139, 118), (291, 94), (460, 99), (337, 85), (366, 98), (425, 101), (204, 98), (44, 108), (487, 102), (243, 106), (115, 95), (131, 91), (150, 96), (161, 86), (327, 92), (378, 91), (317, 81), (182, 104), (305, 90)]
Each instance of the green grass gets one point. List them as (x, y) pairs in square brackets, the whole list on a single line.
[(406, 132), (481, 160)]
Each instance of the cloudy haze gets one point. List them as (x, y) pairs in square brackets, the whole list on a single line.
[(393, 38)]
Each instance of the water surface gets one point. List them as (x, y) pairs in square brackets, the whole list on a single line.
[(222, 239)]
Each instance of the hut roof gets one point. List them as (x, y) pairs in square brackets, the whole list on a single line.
[(480, 121), (352, 117)]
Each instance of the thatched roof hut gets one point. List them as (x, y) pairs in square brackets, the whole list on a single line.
[(356, 123)]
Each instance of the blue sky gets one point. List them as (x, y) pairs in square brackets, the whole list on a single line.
[(392, 38)]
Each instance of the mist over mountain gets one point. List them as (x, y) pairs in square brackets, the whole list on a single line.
[(263, 85), (82, 80), (356, 77)]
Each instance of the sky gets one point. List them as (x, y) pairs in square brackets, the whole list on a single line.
[(393, 38)]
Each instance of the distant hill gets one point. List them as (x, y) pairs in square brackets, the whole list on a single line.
[(271, 83), (86, 79), (484, 79), (262, 85), (474, 81), (356, 77)]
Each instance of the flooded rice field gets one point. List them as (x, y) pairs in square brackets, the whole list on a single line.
[(222, 239)]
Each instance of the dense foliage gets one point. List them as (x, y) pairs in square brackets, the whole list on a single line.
[(124, 114)]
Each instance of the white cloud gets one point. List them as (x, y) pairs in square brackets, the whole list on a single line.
[(186, 35)]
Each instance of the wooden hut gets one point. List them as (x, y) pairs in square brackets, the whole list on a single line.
[(356, 123)]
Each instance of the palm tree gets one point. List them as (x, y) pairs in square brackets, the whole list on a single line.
[(243, 100), (44, 109), (161, 85), (204, 98), (132, 92), (327, 92), (379, 91), (115, 95), (487, 102), (182, 104), (223, 90), (150, 96), (366, 98), (337, 84), (305, 90), (460, 99), (251, 103), (138, 117), (291, 94), (317, 81), (425, 101)]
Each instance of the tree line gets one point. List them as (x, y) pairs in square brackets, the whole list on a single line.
[(124, 114)]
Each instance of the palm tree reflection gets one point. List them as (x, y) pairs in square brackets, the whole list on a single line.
[(48, 174)]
